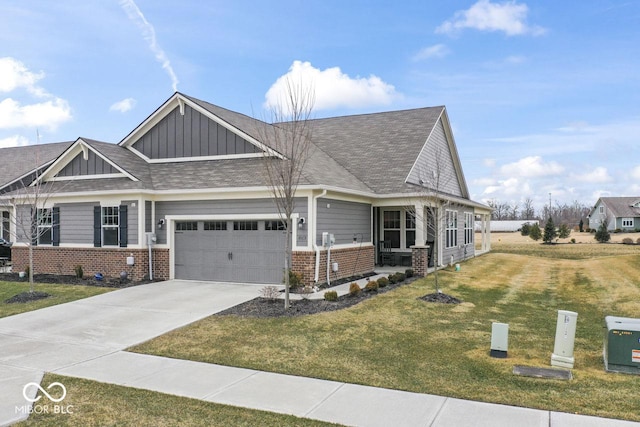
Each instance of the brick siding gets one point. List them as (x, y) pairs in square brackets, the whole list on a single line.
[(109, 262), (350, 261)]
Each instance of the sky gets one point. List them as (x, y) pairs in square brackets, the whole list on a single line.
[(543, 96)]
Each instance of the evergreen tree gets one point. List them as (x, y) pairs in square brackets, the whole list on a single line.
[(564, 231), (535, 233), (602, 234), (550, 232)]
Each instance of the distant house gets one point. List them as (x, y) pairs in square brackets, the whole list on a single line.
[(186, 186), (621, 213)]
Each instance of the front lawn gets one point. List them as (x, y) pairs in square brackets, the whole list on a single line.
[(90, 403), (397, 341), (59, 295)]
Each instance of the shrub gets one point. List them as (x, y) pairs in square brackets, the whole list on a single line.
[(79, 271), (383, 281), (331, 296), (408, 273), (627, 241), (305, 291), (526, 229), (270, 292), (26, 271), (354, 289), (638, 240), (603, 235), (617, 230), (573, 240), (588, 230), (295, 279), (393, 279), (535, 233), (372, 286)]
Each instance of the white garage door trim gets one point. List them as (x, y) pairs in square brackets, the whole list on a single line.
[(171, 229)]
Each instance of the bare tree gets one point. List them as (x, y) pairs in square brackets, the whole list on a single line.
[(36, 221), (528, 211), (289, 138)]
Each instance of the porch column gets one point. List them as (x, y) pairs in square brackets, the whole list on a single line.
[(421, 236)]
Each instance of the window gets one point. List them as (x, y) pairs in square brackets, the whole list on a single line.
[(468, 228), (410, 229), (45, 227), (391, 225), (245, 225), (601, 210), (186, 225), (110, 225), (4, 232), (215, 225), (627, 222), (275, 225), (451, 231)]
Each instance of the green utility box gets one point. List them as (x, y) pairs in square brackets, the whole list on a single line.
[(622, 345)]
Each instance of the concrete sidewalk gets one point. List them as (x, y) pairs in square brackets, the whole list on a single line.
[(85, 339), (331, 401)]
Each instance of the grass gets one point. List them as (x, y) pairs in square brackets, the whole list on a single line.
[(397, 341), (59, 295), (98, 404)]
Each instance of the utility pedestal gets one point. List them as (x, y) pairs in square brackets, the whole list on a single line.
[(565, 337)]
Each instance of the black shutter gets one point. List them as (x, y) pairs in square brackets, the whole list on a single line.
[(55, 227), (97, 226), (122, 221), (33, 230)]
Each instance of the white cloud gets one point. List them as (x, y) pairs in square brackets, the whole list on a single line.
[(490, 163), (14, 141), (333, 88), (635, 173), (123, 106), (435, 51), (14, 74), (531, 167), (48, 114), (149, 34), (597, 176), (508, 17)]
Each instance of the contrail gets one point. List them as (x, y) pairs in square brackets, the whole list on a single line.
[(149, 34)]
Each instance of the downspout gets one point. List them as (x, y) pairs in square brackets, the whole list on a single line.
[(315, 230)]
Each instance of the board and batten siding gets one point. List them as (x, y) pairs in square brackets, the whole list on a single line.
[(148, 226), (94, 165), (190, 135), (225, 207), (132, 223), (344, 220), (436, 156)]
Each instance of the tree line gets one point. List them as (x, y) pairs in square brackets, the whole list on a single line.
[(570, 214)]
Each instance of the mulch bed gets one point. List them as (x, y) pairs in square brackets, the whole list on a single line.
[(262, 307), (441, 298), (27, 296), (64, 279)]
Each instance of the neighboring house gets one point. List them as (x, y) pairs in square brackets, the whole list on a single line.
[(187, 187), (621, 213)]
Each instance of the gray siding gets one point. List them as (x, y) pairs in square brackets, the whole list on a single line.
[(190, 135), (634, 226), (343, 220), (436, 158), (23, 221), (94, 165), (224, 207), (132, 226), (76, 223)]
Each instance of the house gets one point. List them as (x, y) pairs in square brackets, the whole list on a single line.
[(183, 196), (619, 213), (508, 226)]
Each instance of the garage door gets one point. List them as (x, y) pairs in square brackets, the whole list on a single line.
[(229, 251)]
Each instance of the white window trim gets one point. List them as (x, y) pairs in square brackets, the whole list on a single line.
[(628, 220), (103, 225), (468, 228), (453, 229), (42, 226), (403, 227)]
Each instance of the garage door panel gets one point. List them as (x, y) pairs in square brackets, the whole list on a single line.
[(241, 255)]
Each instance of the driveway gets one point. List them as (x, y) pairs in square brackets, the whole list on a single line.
[(56, 337)]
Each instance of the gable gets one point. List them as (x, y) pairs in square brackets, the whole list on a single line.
[(436, 168), (92, 165), (190, 135)]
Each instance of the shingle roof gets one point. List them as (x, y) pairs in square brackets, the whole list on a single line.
[(621, 207), (19, 161), (369, 153)]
